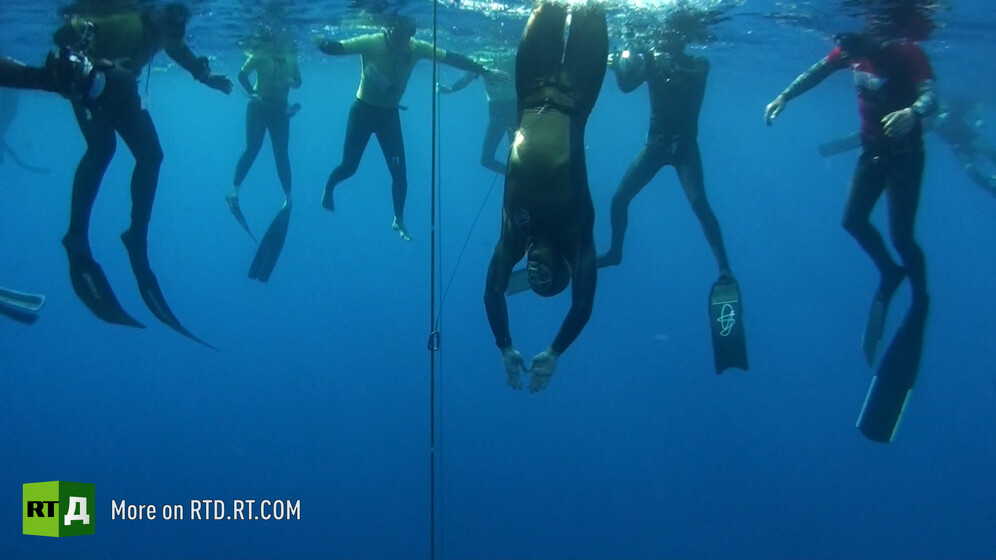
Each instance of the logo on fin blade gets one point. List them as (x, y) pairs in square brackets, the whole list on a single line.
[(726, 319)]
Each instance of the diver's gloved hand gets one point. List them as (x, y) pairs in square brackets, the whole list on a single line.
[(542, 369), (774, 109), (899, 123), (513, 363), (219, 82)]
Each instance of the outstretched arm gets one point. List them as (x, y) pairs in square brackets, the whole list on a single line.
[(197, 66), (468, 65), (331, 47), (458, 85), (805, 82)]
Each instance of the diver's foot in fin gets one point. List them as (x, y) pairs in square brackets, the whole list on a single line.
[(91, 285), (271, 246), (611, 258), (148, 286), (399, 226), (875, 324), (327, 202), (232, 199)]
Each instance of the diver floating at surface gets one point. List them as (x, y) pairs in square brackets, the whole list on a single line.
[(547, 213), (275, 63), (106, 102), (895, 87), (387, 60)]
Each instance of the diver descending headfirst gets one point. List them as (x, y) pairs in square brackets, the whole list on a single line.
[(547, 213)]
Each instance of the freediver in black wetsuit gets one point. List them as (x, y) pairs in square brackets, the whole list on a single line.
[(547, 211), (676, 82), (106, 102)]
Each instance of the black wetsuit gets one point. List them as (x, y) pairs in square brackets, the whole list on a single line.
[(547, 199), (263, 115), (385, 122), (106, 102), (388, 62), (894, 77), (676, 83)]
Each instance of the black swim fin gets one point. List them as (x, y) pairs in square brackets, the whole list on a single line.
[(20, 306), (729, 343), (518, 282), (233, 205), (91, 286), (148, 287), (893, 382), (269, 249)]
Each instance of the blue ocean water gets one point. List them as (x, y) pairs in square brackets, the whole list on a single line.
[(323, 390)]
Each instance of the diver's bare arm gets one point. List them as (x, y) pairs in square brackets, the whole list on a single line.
[(582, 298)]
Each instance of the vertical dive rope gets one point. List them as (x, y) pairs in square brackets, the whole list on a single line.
[(433, 344)]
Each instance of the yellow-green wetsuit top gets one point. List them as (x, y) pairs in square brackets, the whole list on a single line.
[(385, 74), (275, 74)]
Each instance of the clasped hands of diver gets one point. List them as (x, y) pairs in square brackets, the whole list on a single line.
[(541, 368)]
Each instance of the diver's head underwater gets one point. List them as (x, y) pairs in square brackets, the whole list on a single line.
[(548, 270)]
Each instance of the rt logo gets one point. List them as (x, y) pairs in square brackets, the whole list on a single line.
[(58, 509)]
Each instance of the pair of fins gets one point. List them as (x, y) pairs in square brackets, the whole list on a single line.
[(22, 307), (726, 319), (893, 381), (92, 287), (268, 250)]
